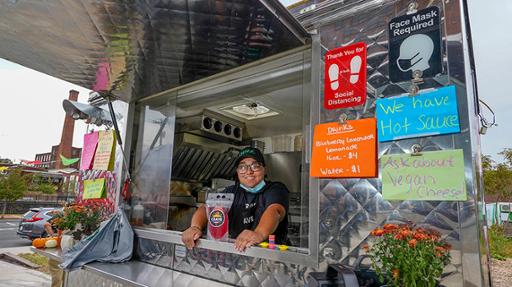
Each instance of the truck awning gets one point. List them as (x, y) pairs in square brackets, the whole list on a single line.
[(133, 49)]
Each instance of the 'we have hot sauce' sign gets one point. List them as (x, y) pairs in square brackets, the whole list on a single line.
[(345, 150)]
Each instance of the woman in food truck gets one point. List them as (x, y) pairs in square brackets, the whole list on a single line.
[(260, 207)]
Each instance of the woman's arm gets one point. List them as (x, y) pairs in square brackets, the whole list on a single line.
[(268, 223), (194, 232)]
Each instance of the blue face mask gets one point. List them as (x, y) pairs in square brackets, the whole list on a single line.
[(257, 188)]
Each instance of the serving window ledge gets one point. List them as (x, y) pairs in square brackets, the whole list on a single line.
[(136, 273), (292, 255)]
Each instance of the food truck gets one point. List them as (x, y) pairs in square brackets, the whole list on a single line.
[(197, 81)]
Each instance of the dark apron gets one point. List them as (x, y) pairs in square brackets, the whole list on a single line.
[(246, 212)]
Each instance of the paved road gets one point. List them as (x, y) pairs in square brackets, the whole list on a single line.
[(8, 236)]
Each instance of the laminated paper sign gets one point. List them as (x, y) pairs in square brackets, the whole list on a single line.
[(345, 76), (89, 149), (436, 175), (426, 114), (415, 45), (345, 150), (105, 152), (94, 188)]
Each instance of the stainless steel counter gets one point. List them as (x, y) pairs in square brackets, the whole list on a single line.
[(292, 255), (133, 273)]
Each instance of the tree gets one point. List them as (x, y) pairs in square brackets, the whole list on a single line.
[(487, 162), (498, 177), (46, 188), (12, 187), (507, 154), (5, 160), (41, 184)]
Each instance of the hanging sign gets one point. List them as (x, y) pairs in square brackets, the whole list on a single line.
[(428, 113), (415, 44), (105, 151), (345, 150), (94, 188), (88, 150), (345, 76), (437, 175)]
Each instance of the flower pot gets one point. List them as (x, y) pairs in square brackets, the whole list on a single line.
[(66, 242)]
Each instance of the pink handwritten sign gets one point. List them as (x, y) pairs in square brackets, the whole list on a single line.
[(88, 151)]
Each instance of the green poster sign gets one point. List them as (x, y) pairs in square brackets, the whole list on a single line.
[(93, 188), (437, 175)]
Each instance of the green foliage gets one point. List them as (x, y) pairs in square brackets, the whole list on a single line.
[(47, 188), (37, 259), (80, 219), (498, 177), (12, 186), (42, 185), (408, 256), (507, 154), (5, 161), (71, 186), (500, 246)]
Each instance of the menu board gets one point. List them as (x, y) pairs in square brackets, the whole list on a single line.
[(345, 150), (94, 188), (105, 151), (428, 113), (88, 150), (436, 175)]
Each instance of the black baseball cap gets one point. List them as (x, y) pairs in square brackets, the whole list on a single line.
[(252, 153)]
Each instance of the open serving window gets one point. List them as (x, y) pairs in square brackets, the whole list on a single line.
[(187, 139)]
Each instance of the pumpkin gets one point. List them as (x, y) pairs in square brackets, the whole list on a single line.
[(50, 243), (39, 242)]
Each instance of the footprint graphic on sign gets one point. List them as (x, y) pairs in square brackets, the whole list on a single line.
[(334, 72), (355, 67)]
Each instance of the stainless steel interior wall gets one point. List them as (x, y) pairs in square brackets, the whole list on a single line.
[(351, 208)]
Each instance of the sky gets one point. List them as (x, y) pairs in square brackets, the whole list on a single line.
[(492, 44), (31, 114)]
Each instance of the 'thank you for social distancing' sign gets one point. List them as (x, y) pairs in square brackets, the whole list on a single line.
[(345, 76), (436, 175), (429, 113)]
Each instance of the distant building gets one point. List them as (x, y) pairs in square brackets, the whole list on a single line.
[(52, 159), (49, 159)]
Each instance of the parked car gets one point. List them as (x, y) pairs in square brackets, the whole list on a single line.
[(32, 223)]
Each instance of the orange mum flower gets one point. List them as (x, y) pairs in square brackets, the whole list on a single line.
[(396, 273), (412, 243), (390, 226)]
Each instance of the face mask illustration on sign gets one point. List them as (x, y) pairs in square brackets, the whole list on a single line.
[(415, 52), (415, 45)]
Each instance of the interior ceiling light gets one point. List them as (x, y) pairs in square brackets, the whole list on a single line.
[(250, 111)]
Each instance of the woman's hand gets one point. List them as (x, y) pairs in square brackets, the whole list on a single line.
[(190, 236), (248, 238)]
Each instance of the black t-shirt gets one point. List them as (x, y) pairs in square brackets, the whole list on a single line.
[(247, 209)]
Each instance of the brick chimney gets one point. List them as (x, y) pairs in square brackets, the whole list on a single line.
[(66, 139)]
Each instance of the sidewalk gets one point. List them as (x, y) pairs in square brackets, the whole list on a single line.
[(14, 275)]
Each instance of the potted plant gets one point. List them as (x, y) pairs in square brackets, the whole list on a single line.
[(405, 255), (80, 220)]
